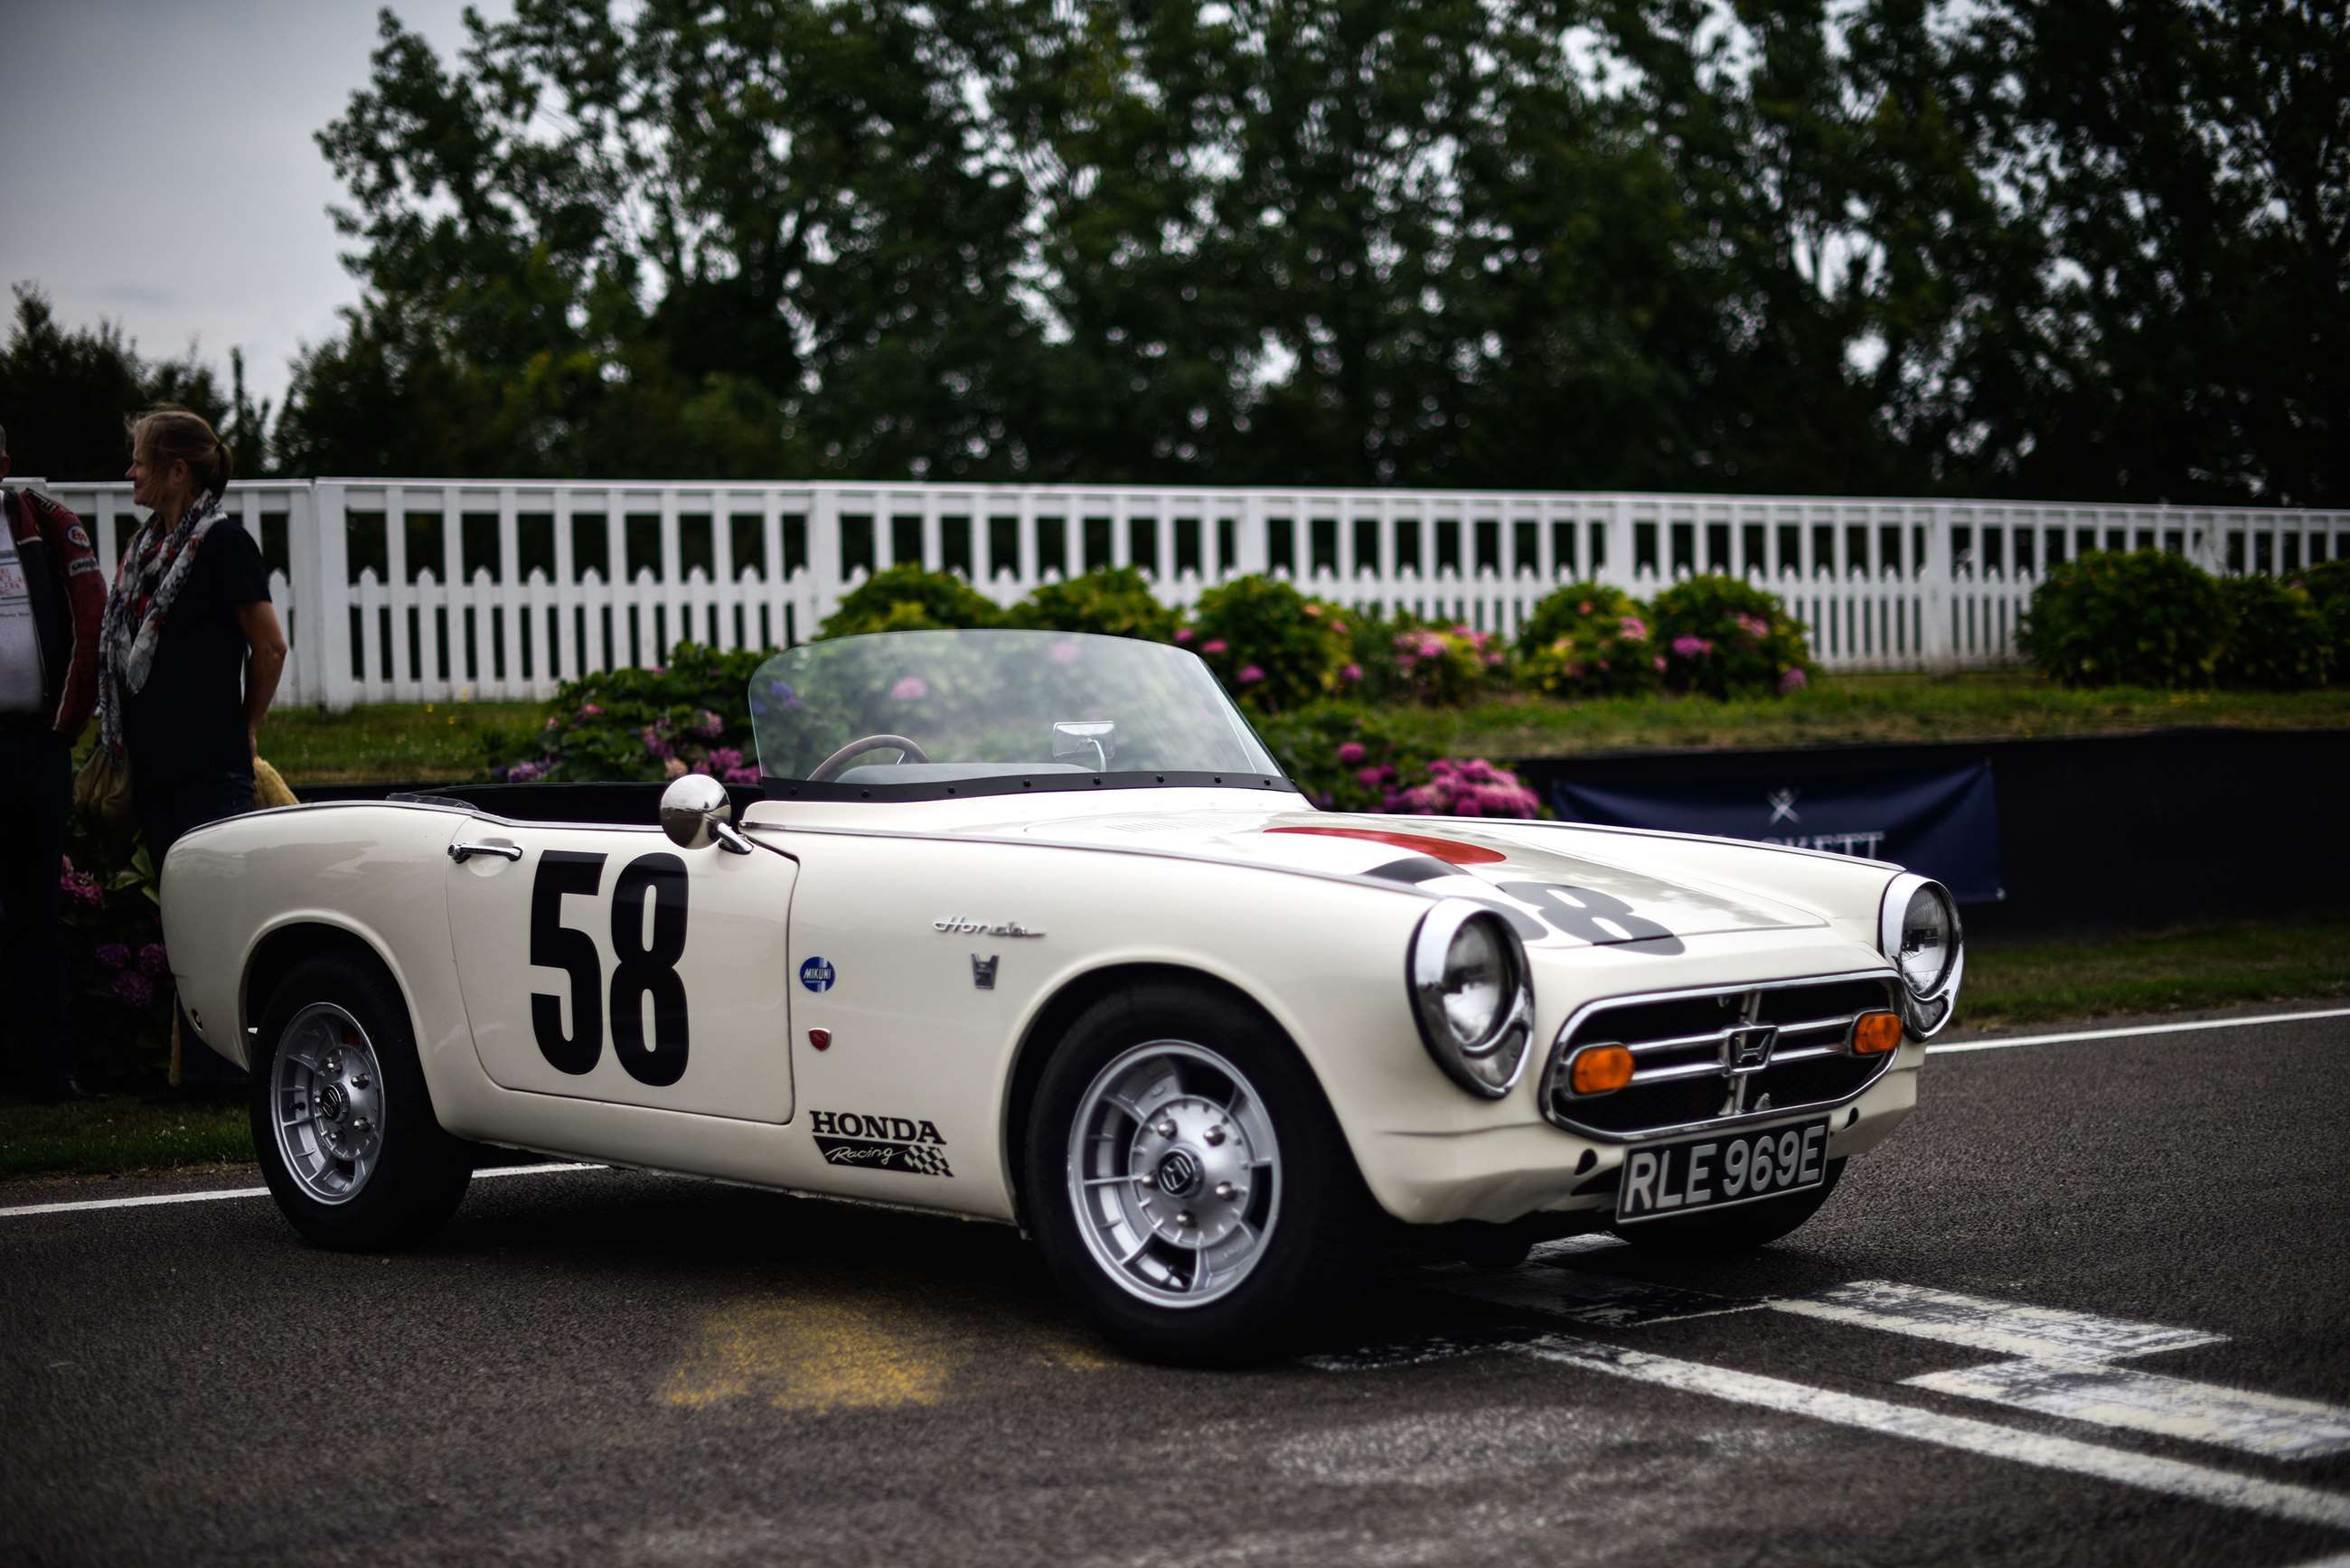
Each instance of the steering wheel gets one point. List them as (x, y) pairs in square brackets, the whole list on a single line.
[(823, 772)]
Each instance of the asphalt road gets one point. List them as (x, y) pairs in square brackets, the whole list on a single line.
[(599, 1366)]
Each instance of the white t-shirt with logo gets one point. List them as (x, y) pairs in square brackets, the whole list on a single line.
[(20, 644)]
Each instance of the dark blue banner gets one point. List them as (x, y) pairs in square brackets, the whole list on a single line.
[(1943, 824)]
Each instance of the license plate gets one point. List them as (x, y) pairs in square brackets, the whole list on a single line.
[(1715, 1172)]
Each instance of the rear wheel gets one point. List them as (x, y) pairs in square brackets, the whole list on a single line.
[(1739, 1229), (1186, 1181), (341, 1117)]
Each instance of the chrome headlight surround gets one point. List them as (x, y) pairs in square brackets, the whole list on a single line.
[(1927, 1007), (1485, 1055)]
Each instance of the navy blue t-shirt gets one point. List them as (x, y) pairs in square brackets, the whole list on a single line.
[(190, 716)]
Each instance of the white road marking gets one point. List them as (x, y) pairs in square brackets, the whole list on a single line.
[(2013, 1041), (216, 1195), (2264, 1423), (2006, 1328), (2172, 1477)]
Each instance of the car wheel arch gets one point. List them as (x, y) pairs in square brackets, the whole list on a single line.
[(1065, 1006), (287, 948)]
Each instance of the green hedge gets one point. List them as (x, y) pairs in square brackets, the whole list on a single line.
[(2151, 618)]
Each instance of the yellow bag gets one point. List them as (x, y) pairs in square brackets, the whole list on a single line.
[(268, 789), (103, 787)]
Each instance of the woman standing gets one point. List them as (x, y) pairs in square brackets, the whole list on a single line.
[(190, 648)]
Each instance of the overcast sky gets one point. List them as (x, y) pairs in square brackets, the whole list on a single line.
[(157, 165)]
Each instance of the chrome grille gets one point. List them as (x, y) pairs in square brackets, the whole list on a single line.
[(1687, 1069)]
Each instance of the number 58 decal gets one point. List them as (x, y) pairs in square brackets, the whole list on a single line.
[(644, 969)]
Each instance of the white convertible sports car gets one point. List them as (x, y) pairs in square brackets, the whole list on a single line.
[(1029, 927)]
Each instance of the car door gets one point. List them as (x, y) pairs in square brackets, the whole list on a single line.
[(606, 963)]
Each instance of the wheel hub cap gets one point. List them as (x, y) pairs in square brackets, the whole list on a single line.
[(327, 1102)]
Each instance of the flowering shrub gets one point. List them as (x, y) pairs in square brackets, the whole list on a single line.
[(2134, 618), (2328, 586), (1725, 638), (649, 724), (1350, 758), (908, 598), (1442, 666), (120, 977), (2276, 638), (1271, 646), (1115, 601), (1590, 640)]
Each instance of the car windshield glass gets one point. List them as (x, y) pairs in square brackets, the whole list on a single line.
[(992, 708)]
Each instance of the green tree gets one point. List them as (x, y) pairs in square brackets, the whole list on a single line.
[(65, 396)]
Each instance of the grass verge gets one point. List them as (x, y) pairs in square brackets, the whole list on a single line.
[(119, 1134), (398, 743), (2038, 981), (2009, 981)]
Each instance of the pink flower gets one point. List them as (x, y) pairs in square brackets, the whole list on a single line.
[(910, 689), (1794, 681), (725, 759), (1493, 659), (114, 955), (1350, 753), (1753, 625), (1691, 646), (741, 775), (589, 711), (1352, 672), (1432, 646), (1369, 777), (1315, 611), (82, 888), (132, 989), (1660, 661), (1064, 652), (524, 772), (1583, 608), (1214, 645), (712, 725), (1339, 627), (673, 768), (1184, 634), (1250, 675), (1632, 629), (153, 959), (656, 744)]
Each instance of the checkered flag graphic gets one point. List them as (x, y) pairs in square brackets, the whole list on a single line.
[(923, 1158)]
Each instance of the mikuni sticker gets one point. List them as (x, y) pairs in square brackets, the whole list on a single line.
[(880, 1143), (818, 974)]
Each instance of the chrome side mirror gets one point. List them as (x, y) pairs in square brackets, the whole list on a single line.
[(696, 811), (1096, 738)]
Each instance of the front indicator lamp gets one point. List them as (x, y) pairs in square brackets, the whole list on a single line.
[(1875, 1033), (1599, 1070)]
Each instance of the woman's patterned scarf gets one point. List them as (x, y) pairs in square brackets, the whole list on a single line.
[(138, 604)]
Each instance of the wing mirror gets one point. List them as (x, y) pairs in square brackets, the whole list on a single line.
[(1092, 738), (696, 811)]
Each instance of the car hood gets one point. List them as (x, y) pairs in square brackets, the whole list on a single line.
[(1562, 886)]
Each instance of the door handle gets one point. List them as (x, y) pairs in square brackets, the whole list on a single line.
[(458, 852)]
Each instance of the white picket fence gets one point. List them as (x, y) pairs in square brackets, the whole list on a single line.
[(1881, 584)]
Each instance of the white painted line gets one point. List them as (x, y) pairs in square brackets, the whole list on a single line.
[(2013, 1041), (218, 1194), (2171, 1477), (2004, 1328), (2264, 1423)]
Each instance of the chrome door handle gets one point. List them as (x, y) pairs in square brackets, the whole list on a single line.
[(458, 852)]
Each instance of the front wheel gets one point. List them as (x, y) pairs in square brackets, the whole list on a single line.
[(1741, 1228), (341, 1117), (1186, 1181)]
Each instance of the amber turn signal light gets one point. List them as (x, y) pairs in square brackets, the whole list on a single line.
[(1875, 1033), (1599, 1070)]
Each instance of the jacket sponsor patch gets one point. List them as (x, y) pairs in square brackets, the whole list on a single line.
[(880, 1143), (75, 537)]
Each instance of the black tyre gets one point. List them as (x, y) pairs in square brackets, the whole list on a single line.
[(1742, 1227), (1187, 1181), (342, 1118)]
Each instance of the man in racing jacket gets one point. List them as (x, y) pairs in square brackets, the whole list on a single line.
[(52, 597)]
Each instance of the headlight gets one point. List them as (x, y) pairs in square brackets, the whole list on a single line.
[(1918, 929), (1471, 995)]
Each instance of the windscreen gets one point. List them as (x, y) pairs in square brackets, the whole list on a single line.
[(979, 711)]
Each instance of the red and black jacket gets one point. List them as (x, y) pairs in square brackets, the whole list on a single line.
[(69, 593)]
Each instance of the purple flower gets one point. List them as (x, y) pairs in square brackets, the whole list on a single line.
[(1350, 753), (779, 689), (154, 961), (1369, 777), (1352, 672), (910, 689), (81, 887), (1250, 674), (1184, 634), (1064, 651), (656, 744), (1753, 625), (725, 759), (1632, 629), (1214, 645), (1691, 646), (589, 711), (1432, 646), (1493, 659), (711, 726), (746, 775), (132, 989), (524, 772), (114, 955), (1794, 681)]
